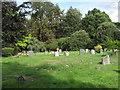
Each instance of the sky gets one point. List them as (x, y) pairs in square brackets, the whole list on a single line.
[(108, 6)]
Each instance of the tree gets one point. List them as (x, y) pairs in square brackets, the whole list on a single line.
[(45, 20), (13, 23), (71, 22), (92, 20), (78, 40), (105, 31)]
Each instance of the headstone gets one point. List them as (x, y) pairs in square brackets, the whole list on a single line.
[(86, 50), (46, 52), (106, 60), (92, 51), (56, 54), (105, 49), (101, 50), (60, 50), (67, 53), (51, 52), (30, 53), (81, 51)]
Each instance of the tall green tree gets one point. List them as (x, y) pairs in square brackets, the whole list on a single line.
[(71, 22), (45, 20), (92, 20), (13, 23), (105, 31)]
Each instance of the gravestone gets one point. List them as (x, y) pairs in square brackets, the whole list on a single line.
[(92, 51), (86, 50), (46, 52), (51, 52), (67, 53), (60, 50), (81, 51), (101, 50), (105, 49), (106, 60), (56, 53), (30, 53)]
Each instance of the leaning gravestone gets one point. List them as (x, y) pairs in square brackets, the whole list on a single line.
[(81, 51), (92, 51), (87, 50), (56, 53), (30, 53), (101, 50), (106, 60)]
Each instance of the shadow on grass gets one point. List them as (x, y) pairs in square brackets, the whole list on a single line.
[(117, 71), (39, 77)]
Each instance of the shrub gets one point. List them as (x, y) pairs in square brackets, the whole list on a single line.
[(79, 39), (63, 43), (97, 48), (52, 45), (7, 52)]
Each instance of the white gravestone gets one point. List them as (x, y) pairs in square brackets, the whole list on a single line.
[(87, 50), (92, 51), (105, 49), (30, 53), (56, 53), (67, 53), (81, 51), (101, 50), (106, 60), (60, 50)]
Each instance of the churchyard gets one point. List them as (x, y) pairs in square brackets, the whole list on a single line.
[(79, 69)]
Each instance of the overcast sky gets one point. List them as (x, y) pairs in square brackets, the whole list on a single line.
[(109, 6)]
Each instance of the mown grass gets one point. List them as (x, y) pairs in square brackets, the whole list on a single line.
[(48, 71)]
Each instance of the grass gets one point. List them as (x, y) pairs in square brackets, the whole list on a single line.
[(48, 71)]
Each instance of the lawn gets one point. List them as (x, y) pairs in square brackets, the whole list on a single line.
[(48, 71)]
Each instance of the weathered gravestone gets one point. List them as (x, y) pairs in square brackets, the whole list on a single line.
[(67, 53), (101, 50), (30, 53), (106, 60), (86, 50), (92, 51), (81, 51), (56, 53), (51, 52)]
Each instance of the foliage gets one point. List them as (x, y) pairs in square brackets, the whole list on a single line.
[(106, 31), (91, 22), (71, 22), (7, 52), (15, 26), (110, 44), (98, 48), (63, 43), (78, 40), (53, 45)]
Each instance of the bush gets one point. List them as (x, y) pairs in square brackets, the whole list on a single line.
[(52, 45), (79, 39), (63, 43), (7, 52), (97, 48)]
